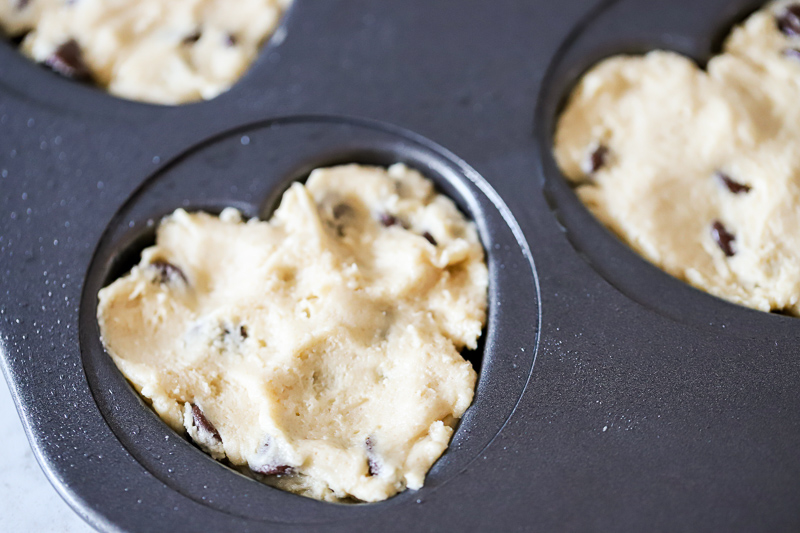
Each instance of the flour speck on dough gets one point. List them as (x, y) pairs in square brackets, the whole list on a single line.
[(320, 349), (699, 170), (158, 51)]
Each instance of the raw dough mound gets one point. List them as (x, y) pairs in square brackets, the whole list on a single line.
[(159, 51), (321, 348), (699, 171)]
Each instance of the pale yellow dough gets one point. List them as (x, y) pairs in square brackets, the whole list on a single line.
[(670, 127), (138, 49), (323, 344)]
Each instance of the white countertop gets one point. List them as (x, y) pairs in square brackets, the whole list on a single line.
[(28, 503)]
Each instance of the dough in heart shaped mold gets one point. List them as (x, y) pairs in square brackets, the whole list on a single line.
[(697, 169)]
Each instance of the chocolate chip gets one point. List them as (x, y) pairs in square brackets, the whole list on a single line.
[(387, 219), (373, 465), (429, 238), (202, 423), (167, 271), (233, 334), (596, 160), (273, 470), (734, 186), (270, 464), (789, 20), (341, 210), (22, 4), (723, 239), (68, 61), (390, 220), (230, 40), (792, 53), (192, 37)]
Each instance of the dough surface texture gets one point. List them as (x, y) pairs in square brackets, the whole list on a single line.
[(699, 171), (320, 348), (158, 51)]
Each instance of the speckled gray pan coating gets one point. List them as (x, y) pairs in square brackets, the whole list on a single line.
[(651, 406)]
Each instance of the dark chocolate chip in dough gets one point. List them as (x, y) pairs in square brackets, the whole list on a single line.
[(68, 61), (372, 459), (734, 186), (341, 210), (723, 238), (788, 20), (792, 53), (429, 238), (167, 271), (202, 423), (192, 37), (230, 39), (233, 334), (387, 220), (274, 470), (22, 4), (597, 159)]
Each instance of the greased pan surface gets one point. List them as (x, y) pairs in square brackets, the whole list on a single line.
[(650, 406)]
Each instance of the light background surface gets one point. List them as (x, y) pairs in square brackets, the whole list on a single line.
[(28, 503)]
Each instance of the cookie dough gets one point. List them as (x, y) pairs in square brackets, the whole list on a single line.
[(319, 349), (699, 171), (159, 51)]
